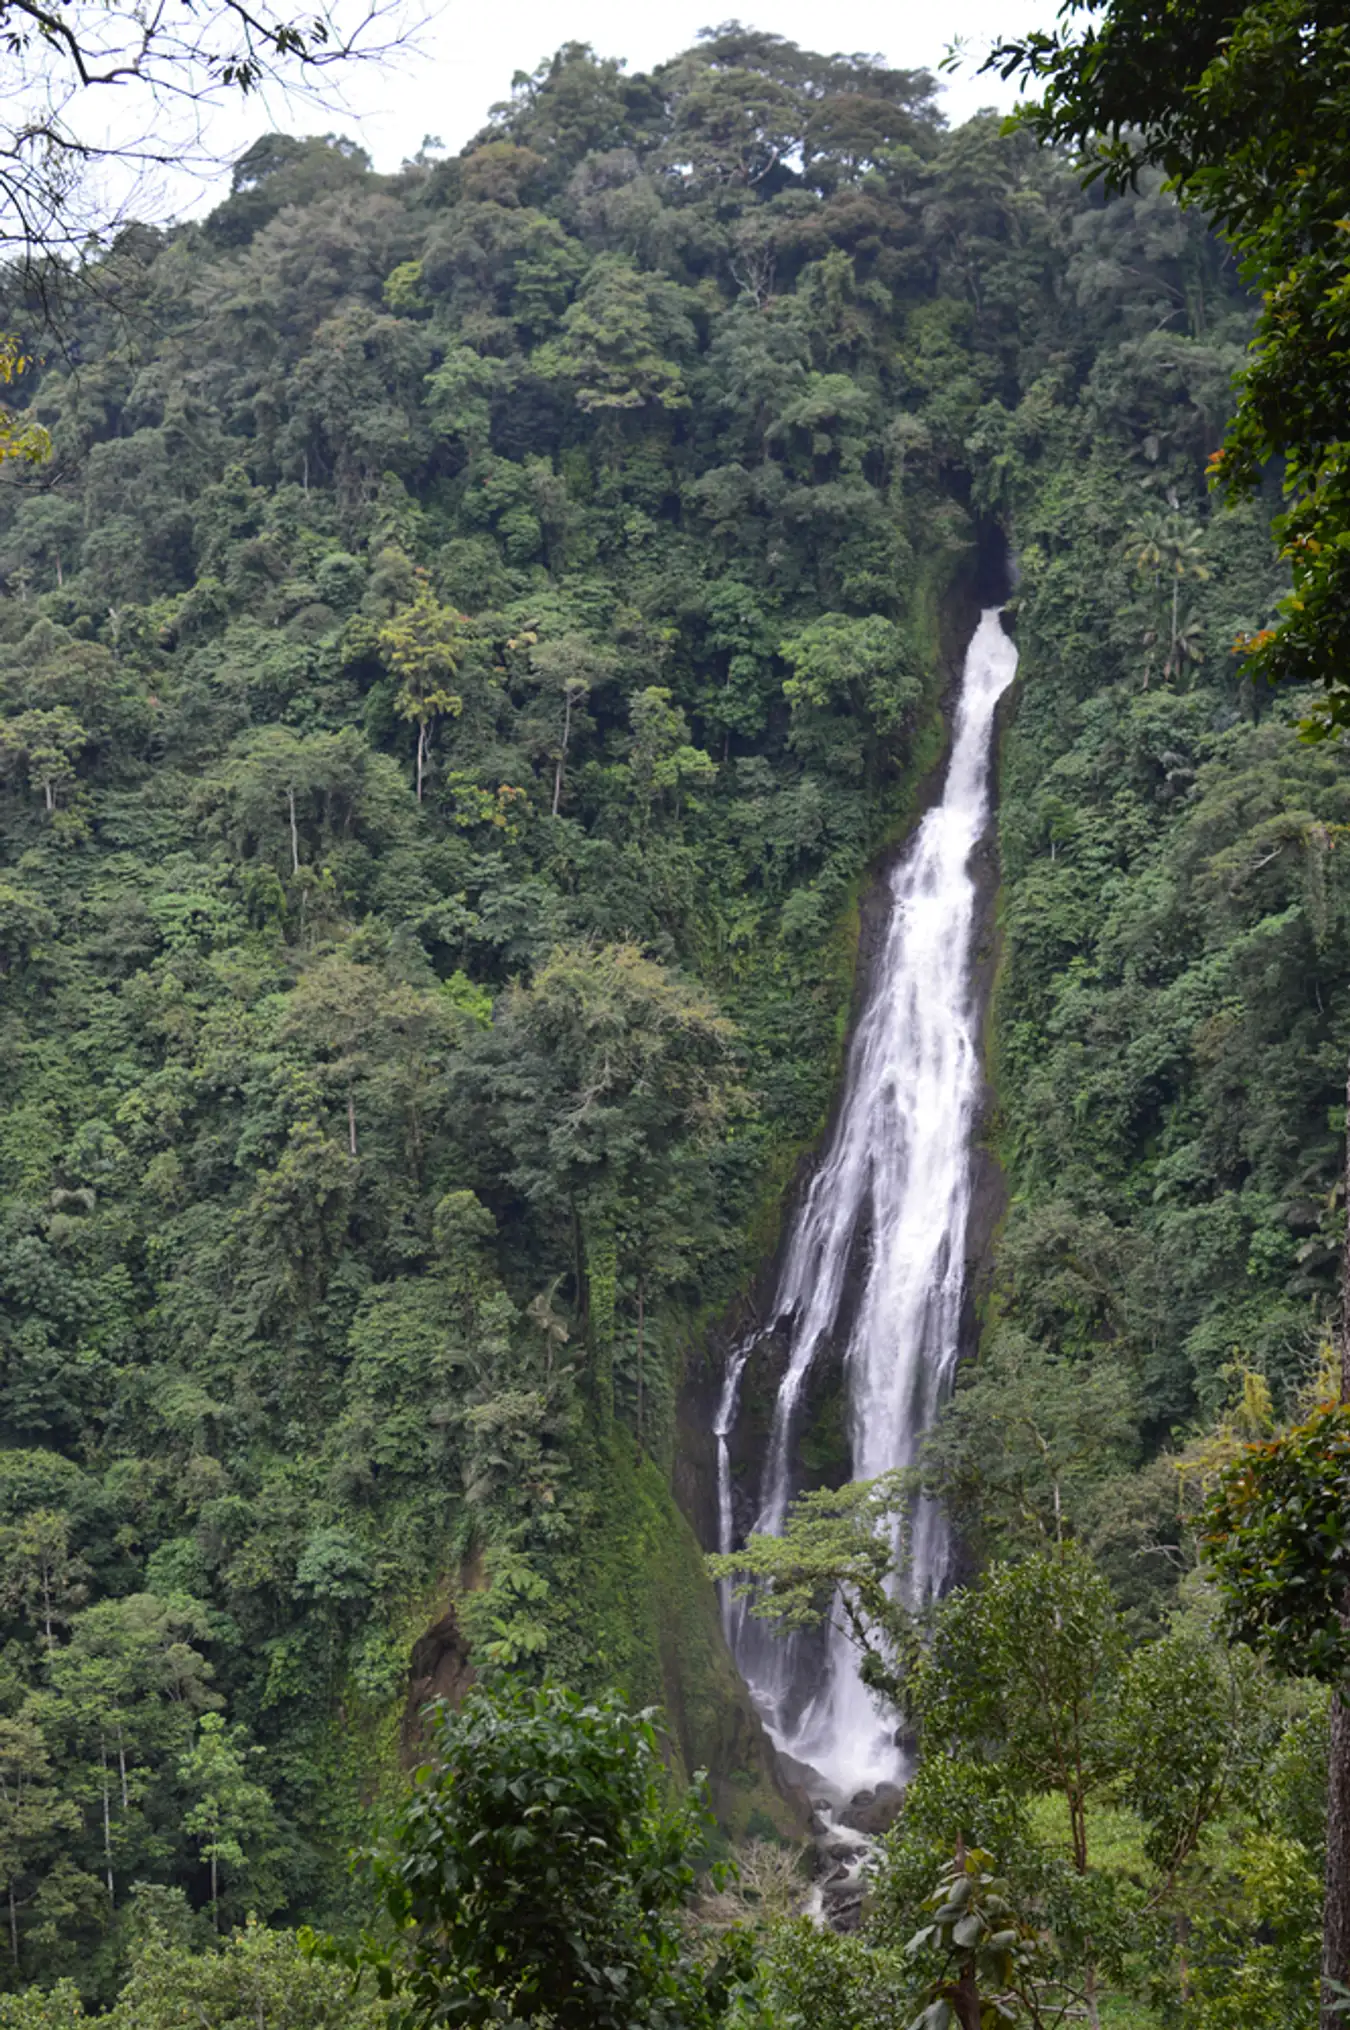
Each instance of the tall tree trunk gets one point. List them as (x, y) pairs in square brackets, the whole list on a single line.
[(107, 1825), (641, 1325), (295, 835), (1336, 1900), (1090, 1998), (1078, 1828), (1172, 651), (351, 1124), (13, 1927), (1336, 1905), (562, 751), (421, 755), (963, 1998)]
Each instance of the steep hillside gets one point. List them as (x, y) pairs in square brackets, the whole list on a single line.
[(475, 628)]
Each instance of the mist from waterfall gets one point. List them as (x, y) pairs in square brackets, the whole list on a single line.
[(889, 1200)]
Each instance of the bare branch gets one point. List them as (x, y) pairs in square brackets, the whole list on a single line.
[(155, 71)]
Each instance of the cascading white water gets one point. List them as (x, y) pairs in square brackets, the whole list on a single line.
[(897, 1176)]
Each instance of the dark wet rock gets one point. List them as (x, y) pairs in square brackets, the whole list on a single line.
[(873, 1811), (841, 1906), (799, 1774)]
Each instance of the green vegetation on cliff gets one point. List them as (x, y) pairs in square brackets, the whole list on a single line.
[(471, 632), (474, 629)]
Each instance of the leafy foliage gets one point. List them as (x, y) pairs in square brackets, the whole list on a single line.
[(1239, 106), (452, 679), (988, 1956), (838, 1559), (537, 1872), (1277, 1536)]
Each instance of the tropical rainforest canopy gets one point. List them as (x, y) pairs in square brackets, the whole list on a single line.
[(473, 632)]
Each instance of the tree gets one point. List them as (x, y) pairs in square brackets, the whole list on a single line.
[(1185, 1722), (567, 668), (849, 677), (34, 1817), (170, 68), (1242, 107), (420, 646), (60, 2007), (127, 1688), (662, 758), (39, 1573), (21, 437), (608, 349), (605, 1080), (364, 1032), (1252, 1959), (539, 1872), (1027, 1664), (1029, 1447), (259, 1978), (1169, 552), (47, 746), (838, 1560), (989, 1959), (1277, 1536), (231, 1817)]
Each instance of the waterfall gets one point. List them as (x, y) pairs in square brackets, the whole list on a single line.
[(887, 1205)]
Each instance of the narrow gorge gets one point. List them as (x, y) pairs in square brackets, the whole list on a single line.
[(875, 1260)]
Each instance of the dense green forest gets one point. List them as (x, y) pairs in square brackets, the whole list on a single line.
[(474, 631)]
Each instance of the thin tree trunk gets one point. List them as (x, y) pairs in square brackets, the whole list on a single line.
[(122, 1765), (351, 1124), (421, 755), (1336, 1899), (963, 1998), (295, 835), (215, 1890), (1345, 1262), (641, 1322), (1090, 1998), (13, 1927), (1336, 1905), (562, 753), (1172, 652), (107, 1825), (583, 1294)]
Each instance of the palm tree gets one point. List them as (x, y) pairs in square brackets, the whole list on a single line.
[(1168, 550)]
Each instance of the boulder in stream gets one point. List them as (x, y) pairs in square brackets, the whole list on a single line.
[(873, 1811)]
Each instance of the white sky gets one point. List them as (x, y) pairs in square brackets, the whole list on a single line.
[(468, 51)]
